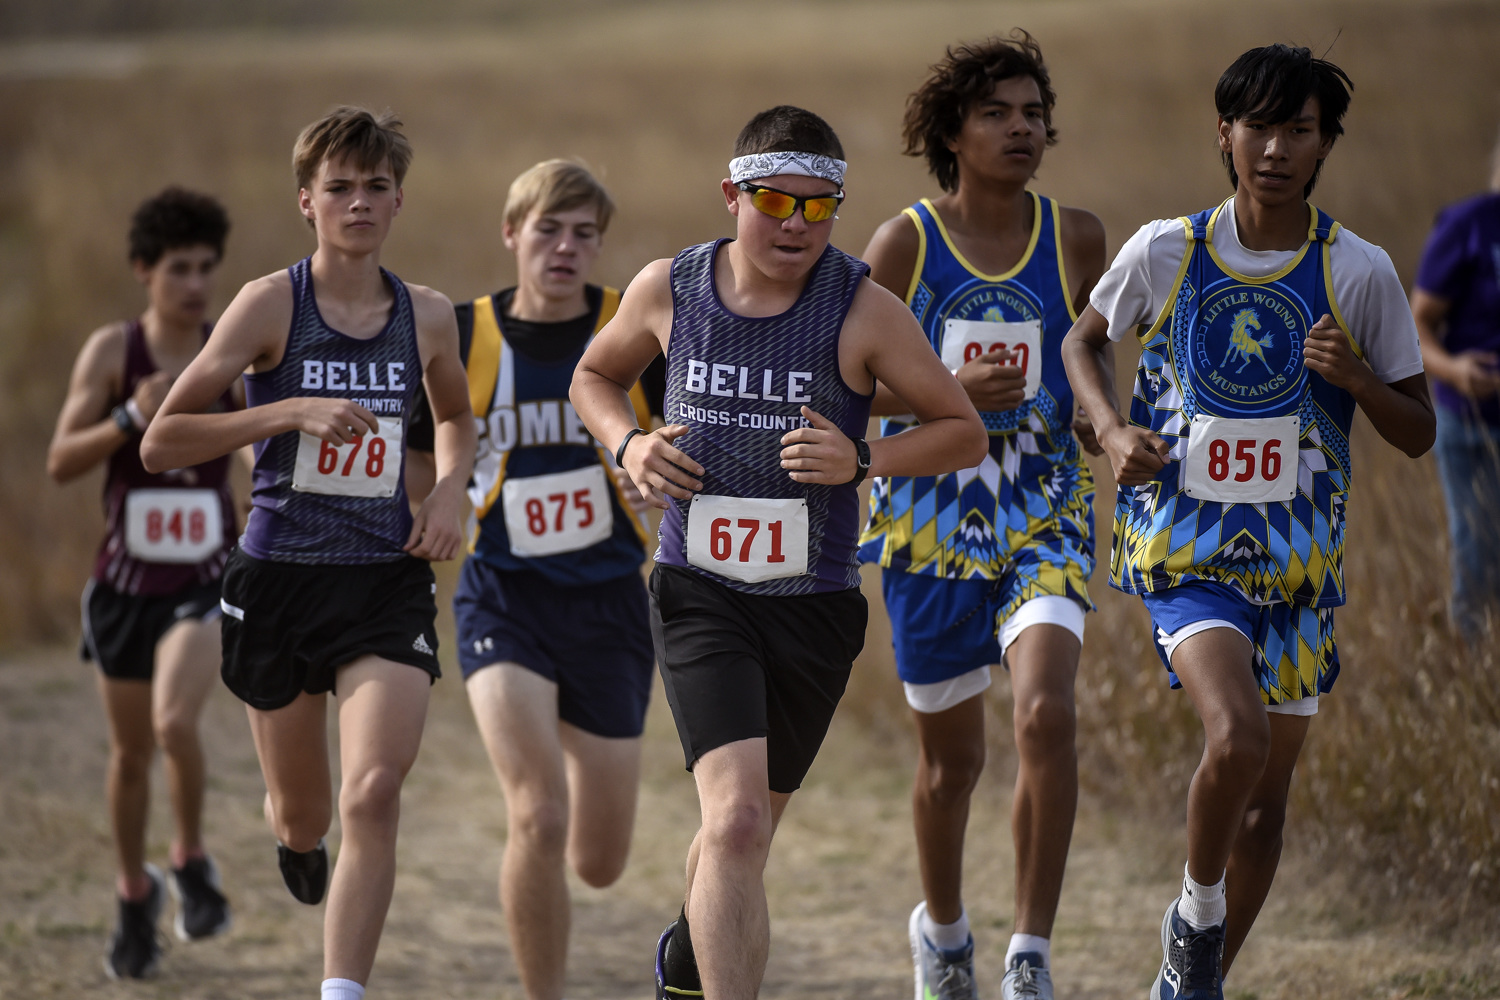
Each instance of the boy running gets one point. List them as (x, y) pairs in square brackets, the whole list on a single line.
[(774, 341), (1263, 324), (151, 608), (1005, 549), (329, 590), (553, 621)]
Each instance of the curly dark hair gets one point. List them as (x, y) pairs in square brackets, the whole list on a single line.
[(173, 219), (966, 74)]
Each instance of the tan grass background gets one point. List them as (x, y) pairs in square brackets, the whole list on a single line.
[(1400, 784)]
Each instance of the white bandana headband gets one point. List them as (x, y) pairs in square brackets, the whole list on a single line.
[(758, 165)]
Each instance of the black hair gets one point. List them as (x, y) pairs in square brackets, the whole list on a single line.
[(968, 74), (1272, 83), (785, 129), (173, 219)]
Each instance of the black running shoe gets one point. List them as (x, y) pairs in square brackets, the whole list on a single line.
[(135, 949), (305, 872), (202, 910), (663, 991)]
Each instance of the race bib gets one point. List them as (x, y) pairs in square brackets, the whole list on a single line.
[(173, 526), (748, 540), (561, 512), (965, 339), (368, 466), (1235, 460)]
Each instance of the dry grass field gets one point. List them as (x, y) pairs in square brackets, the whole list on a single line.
[(1392, 878)]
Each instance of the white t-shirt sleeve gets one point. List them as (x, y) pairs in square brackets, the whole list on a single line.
[(1374, 305), (1139, 282)]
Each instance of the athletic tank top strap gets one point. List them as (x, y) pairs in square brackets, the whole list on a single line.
[(739, 383), (167, 531), (319, 503)]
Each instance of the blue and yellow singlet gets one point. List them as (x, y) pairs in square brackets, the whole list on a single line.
[(1033, 488), (1230, 346)]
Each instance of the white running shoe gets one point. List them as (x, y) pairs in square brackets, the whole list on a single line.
[(1027, 978), (940, 975)]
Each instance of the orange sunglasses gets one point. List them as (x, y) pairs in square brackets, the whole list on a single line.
[(781, 205)]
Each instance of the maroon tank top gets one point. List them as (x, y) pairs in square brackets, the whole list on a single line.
[(169, 531)]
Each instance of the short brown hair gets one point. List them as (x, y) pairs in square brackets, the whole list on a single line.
[(557, 186), (968, 73), (355, 134), (788, 129)]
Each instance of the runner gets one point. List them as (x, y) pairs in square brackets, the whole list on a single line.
[(1005, 549), (553, 627), (329, 590), (774, 341), (151, 607), (1263, 324)]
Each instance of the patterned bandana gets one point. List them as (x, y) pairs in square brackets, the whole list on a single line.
[(758, 165)]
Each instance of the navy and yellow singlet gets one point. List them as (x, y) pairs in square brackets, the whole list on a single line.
[(1033, 488)]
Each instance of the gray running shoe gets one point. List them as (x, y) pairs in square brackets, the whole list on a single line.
[(940, 975), (1027, 978), (135, 949), (202, 910)]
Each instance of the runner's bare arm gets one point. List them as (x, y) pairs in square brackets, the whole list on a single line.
[(992, 381), (251, 333), (611, 365), (1401, 411), (1473, 373), (882, 341), (85, 434), (1084, 262), (1136, 454), (437, 531)]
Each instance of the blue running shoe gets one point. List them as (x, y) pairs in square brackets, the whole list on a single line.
[(1027, 978), (663, 991), (1192, 961), (940, 975)]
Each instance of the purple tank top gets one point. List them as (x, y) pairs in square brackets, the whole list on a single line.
[(298, 514), (739, 383), (160, 526)]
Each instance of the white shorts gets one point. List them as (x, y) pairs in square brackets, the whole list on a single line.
[(1046, 610)]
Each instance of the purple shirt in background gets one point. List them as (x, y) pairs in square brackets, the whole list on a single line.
[(1461, 263)]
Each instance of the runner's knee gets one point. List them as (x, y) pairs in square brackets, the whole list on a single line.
[(540, 823), (599, 865), (176, 733), (373, 796), (953, 772), (740, 829), (1045, 723), (1239, 745), (131, 761)]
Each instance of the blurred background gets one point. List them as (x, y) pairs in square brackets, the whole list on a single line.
[(103, 103)]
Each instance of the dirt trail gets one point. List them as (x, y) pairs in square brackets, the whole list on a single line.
[(842, 879)]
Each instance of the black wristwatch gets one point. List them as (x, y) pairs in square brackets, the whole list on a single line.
[(121, 417), (861, 461)]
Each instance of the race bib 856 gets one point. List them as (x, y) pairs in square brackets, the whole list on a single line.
[(1241, 460)]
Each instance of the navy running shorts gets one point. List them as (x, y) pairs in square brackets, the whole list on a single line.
[(592, 641)]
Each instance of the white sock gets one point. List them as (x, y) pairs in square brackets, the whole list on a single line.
[(947, 937), (342, 989), (1029, 942), (1202, 906)]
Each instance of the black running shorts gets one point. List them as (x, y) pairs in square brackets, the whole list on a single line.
[(740, 666), (288, 627), (120, 631)]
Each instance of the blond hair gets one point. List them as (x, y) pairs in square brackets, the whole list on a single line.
[(355, 134), (556, 186)]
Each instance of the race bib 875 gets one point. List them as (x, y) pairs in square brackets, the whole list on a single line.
[(966, 339), (748, 540), (368, 466), (559, 512), (1241, 460)]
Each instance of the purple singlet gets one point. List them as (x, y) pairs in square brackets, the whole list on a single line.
[(314, 502), (133, 572), (739, 383)]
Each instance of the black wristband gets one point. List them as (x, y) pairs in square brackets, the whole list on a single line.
[(121, 417), (861, 461), (620, 451)]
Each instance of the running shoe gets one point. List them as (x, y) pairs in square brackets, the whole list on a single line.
[(940, 975), (135, 948), (1027, 978), (1192, 961), (202, 910), (304, 872), (663, 991)]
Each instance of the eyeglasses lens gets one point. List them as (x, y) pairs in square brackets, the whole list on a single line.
[(774, 203)]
